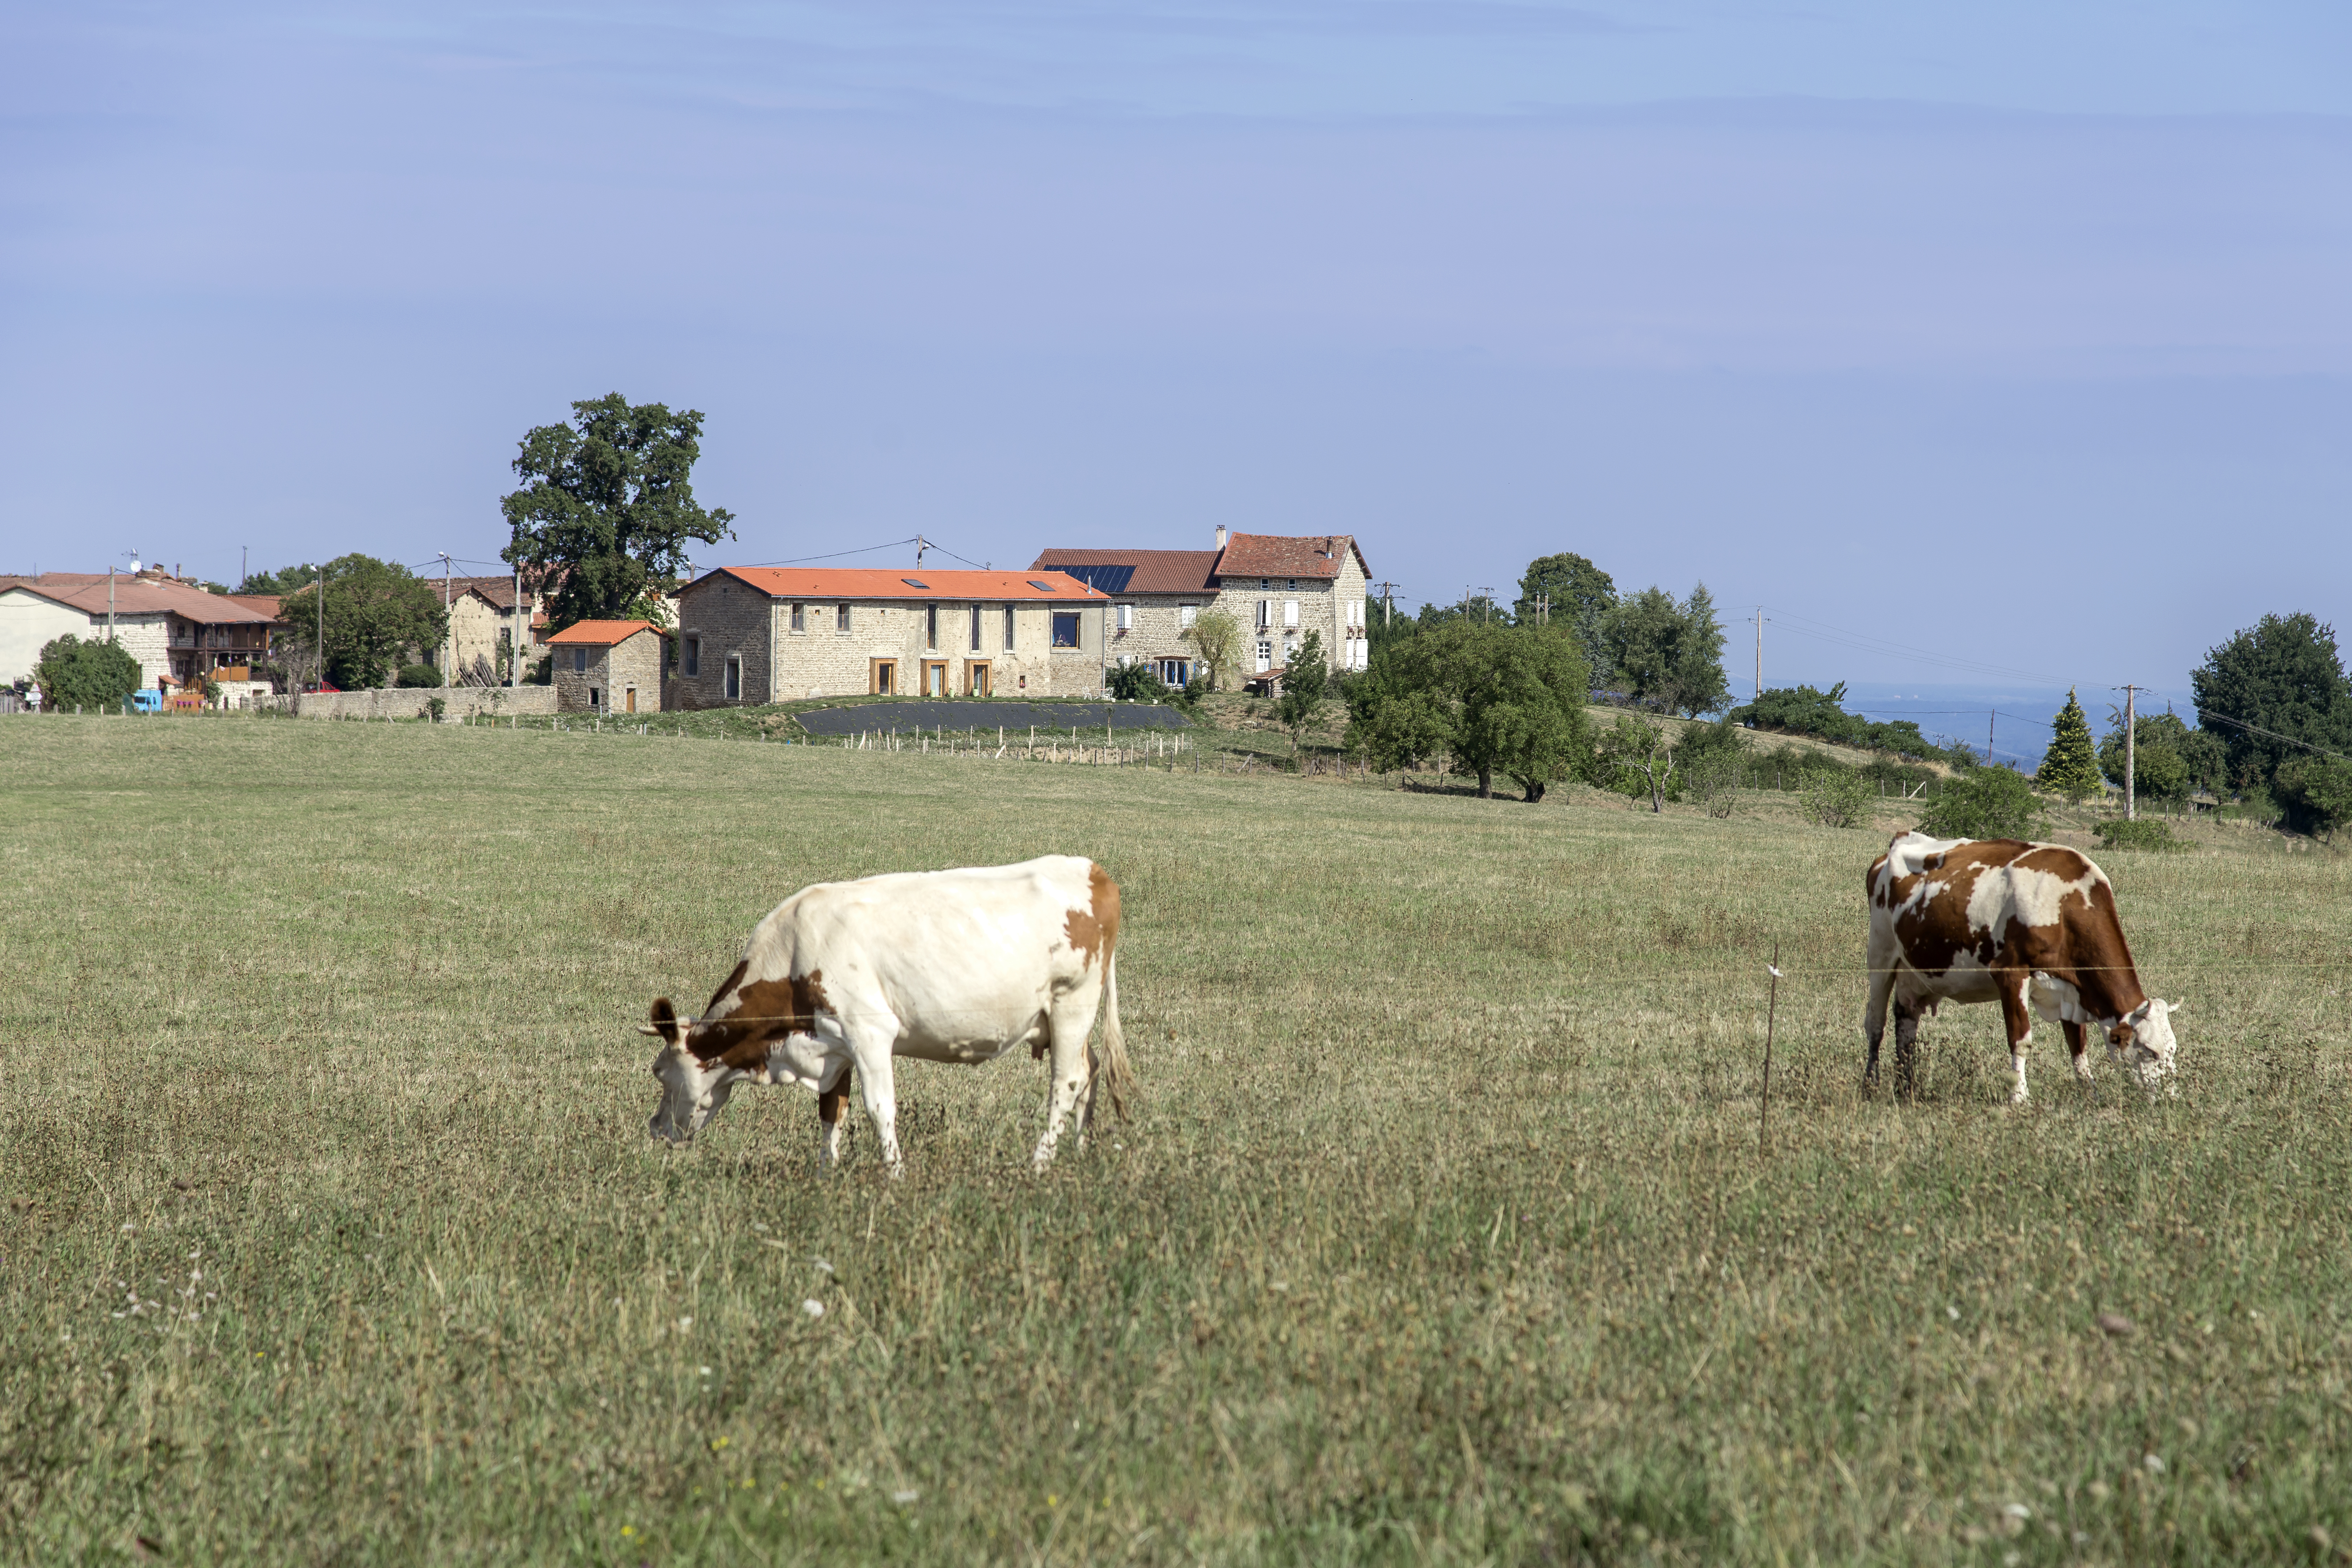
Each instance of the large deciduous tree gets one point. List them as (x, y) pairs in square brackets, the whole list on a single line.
[(96, 675), (2282, 675), (1496, 699), (1218, 637), (2071, 766), (1570, 591), (376, 611), (607, 506), (1665, 654)]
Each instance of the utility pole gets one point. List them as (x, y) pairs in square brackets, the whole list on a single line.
[(1760, 655), (2131, 752), (514, 637), (109, 600), (1990, 717), (322, 628), (1485, 606), (1388, 602), (448, 632), (921, 544), (244, 565)]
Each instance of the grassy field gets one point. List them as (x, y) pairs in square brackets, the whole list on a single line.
[(332, 1232)]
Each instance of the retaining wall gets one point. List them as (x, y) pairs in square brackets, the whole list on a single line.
[(411, 702)]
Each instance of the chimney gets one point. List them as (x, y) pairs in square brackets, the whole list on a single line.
[(1221, 536)]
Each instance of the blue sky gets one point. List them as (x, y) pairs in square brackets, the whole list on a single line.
[(2014, 336)]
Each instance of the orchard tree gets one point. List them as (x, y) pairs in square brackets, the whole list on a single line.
[(607, 506), (2280, 674), (376, 611), (1576, 597), (1306, 688), (1494, 698), (2071, 766)]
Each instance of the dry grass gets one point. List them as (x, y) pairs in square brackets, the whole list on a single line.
[(1443, 1234)]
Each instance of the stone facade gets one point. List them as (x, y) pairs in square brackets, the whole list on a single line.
[(624, 676), (1275, 588), (415, 702), (833, 634)]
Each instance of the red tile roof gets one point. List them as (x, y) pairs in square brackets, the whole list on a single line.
[(884, 582), (601, 634), (1282, 555), (1155, 570)]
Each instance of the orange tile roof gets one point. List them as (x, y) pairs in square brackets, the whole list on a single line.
[(884, 582), (139, 596), (601, 634)]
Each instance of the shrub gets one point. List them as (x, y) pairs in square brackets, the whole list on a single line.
[(1990, 803), (1135, 683), (2317, 793), (1833, 797), (1714, 760), (437, 707), (419, 675), (94, 675), (2141, 833)]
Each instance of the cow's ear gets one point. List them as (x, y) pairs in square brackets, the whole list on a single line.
[(664, 1021)]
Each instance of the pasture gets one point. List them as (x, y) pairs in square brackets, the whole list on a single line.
[(1443, 1235)]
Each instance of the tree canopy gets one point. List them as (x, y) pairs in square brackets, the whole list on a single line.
[(1305, 687), (1990, 803), (1580, 597), (2170, 759), (96, 675), (2071, 766), (1494, 698), (1665, 654), (607, 506), (2283, 675), (376, 611), (284, 580)]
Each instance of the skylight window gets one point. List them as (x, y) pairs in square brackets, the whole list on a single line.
[(1041, 587), (915, 583)]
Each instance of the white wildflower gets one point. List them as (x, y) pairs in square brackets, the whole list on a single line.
[(813, 1308)]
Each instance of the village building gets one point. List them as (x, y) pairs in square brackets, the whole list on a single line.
[(180, 634), (608, 666), (1276, 587), (765, 634)]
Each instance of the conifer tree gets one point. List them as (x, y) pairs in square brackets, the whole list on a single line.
[(2071, 766)]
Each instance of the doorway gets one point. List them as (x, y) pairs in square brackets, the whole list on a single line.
[(885, 682), (935, 677), (975, 678), (632, 696)]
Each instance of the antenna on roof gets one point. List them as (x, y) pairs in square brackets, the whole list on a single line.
[(921, 544)]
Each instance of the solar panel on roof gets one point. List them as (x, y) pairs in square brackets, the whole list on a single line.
[(1104, 579), (914, 581), (1041, 587)]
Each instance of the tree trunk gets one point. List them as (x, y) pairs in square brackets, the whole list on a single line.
[(1486, 784), (1535, 788)]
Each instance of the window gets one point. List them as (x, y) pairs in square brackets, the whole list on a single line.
[(1041, 587), (800, 618), (916, 582), (1175, 672), (1008, 628), (1186, 615), (693, 655), (1066, 630), (930, 624), (579, 662), (1291, 583), (595, 697), (841, 619), (1265, 656), (734, 678), (1127, 617), (1264, 614), (1289, 612), (975, 629)]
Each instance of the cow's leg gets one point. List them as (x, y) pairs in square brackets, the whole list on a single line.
[(873, 1034), (1907, 1049), (829, 1100), (1069, 1021), (2017, 1023), (1874, 1017), (2076, 1045)]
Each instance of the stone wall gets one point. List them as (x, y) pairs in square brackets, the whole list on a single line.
[(411, 702)]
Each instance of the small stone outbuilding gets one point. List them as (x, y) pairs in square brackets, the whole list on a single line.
[(607, 666)]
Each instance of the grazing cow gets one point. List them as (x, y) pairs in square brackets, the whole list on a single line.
[(948, 966), (2031, 926)]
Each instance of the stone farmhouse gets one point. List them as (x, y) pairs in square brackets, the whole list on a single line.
[(178, 632), (1276, 588), (769, 634), (608, 666), (487, 621)]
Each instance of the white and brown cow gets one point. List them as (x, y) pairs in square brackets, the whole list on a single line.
[(946, 966), (2031, 926)]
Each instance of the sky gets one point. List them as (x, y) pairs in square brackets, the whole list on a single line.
[(1990, 350)]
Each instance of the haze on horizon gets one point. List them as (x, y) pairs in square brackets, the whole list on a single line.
[(2016, 341)]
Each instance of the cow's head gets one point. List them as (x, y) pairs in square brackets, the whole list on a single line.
[(2142, 1041), (693, 1091)]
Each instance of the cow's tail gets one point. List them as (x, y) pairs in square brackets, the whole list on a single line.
[(1117, 1077)]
